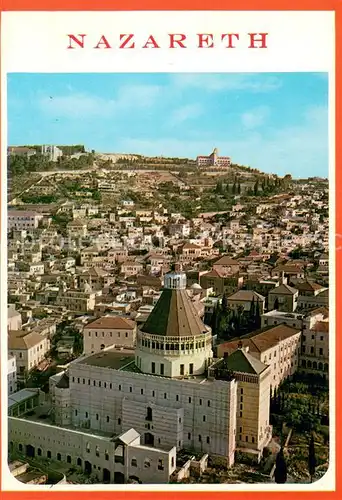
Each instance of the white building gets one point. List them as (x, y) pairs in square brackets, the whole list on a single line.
[(109, 331), (52, 152), (11, 374), (21, 219)]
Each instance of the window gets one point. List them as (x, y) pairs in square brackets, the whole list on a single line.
[(97, 416), (321, 351), (134, 462), (189, 435), (130, 389), (321, 338), (165, 395), (253, 439), (203, 418), (172, 461), (100, 383), (241, 406), (161, 368), (147, 463), (311, 350), (141, 391), (241, 399), (86, 414), (189, 400), (94, 383), (97, 451), (312, 337), (200, 402), (75, 413), (107, 419), (208, 440), (59, 457), (208, 403), (191, 368), (182, 369), (177, 397), (106, 455), (149, 414), (119, 421), (160, 464), (200, 438), (246, 439), (119, 387), (240, 414), (153, 394), (241, 391), (179, 420), (153, 367)]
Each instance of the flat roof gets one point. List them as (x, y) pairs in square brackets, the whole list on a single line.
[(116, 360), (20, 396), (282, 314)]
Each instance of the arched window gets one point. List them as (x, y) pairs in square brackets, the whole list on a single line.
[(48, 454), (304, 363), (320, 366), (147, 463), (309, 364), (149, 414), (134, 462), (39, 452), (59, 456), (314, 365)]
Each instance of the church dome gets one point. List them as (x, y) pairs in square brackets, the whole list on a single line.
[(174, 315)]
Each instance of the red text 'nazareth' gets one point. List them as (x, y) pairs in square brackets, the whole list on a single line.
[(170, 41)]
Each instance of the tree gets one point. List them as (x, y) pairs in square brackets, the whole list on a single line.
[(224, 303), (280, 473), (256, 188), (257, 315), (312, 458)]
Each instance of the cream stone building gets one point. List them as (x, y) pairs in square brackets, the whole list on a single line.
[(76, 301), (253, 431), (108, 460), (277, 347), (29, 349), (109, 331), (121, 410)]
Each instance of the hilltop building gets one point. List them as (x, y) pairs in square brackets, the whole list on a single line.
[(213, 160)]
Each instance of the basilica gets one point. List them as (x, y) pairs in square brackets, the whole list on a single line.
[(129, 412)]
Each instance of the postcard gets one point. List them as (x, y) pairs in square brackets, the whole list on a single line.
[(168, 200)]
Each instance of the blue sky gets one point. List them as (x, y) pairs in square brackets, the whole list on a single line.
[(277, 122)]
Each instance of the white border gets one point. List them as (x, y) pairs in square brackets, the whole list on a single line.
[(22, 50)]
